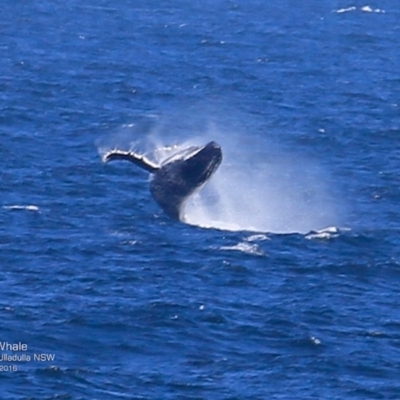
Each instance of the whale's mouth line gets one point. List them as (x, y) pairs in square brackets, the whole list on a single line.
[(212, 167)]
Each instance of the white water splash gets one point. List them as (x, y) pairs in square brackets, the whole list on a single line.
[(259, 187), (262, 188)]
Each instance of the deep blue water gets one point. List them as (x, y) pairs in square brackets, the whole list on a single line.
[(286, 283)]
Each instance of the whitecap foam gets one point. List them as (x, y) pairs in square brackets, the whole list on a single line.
[(372, 10), (22, 207), (343, 10), (366, 9), (246, 248), (330, 232), (257, 238)]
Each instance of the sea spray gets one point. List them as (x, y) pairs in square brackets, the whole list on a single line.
[(262, 187)]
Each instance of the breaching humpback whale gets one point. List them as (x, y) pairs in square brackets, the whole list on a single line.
[(178, 176)]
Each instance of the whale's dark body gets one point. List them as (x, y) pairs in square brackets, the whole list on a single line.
[(177, 177)]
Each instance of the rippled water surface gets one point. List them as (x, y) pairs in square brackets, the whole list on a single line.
[(283, 283)]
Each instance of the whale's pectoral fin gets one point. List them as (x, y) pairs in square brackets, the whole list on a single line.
[(140, 161)]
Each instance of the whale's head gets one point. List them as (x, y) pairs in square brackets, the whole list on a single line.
[(198, 166), (184, 173)]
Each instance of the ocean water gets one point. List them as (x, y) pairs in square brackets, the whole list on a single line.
[(284, 281)]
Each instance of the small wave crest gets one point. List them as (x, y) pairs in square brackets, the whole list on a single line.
[(366, 9), (244, 247), (19, 207), (325, 234)]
